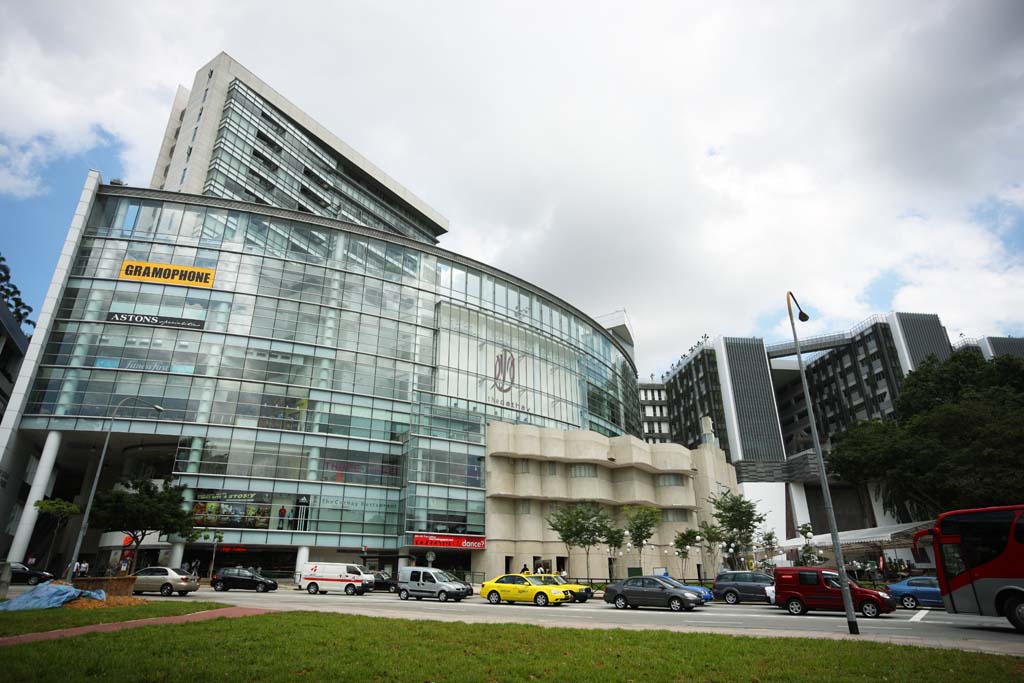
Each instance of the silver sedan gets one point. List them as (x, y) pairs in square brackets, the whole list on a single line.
[(164, 580)]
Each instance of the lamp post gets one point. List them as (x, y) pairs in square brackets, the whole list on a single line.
[(851, 618), (96, 478)]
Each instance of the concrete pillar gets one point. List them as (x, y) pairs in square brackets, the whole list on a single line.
[(301, 558), (27, 523), (177, 554)]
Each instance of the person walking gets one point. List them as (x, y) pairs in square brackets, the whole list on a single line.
[(525, 569)]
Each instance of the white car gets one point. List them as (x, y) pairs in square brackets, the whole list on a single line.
[(323, 577), (770, 592)]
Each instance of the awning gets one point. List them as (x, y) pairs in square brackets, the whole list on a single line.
[(894, 536)]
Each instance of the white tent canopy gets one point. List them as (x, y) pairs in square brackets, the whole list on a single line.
[(896, 535)]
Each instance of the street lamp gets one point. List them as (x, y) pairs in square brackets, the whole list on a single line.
[(851, 618), (96, 478)]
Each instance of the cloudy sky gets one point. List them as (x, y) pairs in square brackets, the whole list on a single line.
[(688, 162)]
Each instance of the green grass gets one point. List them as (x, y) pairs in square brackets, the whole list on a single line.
[(306, 646), (32, 621)]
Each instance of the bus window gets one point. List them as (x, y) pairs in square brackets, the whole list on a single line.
[(983, 537), (1018, 530), (952, 563)]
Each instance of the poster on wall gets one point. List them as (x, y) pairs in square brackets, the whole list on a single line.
[(236, 509)]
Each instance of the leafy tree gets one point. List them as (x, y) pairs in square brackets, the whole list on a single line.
[(808, 555), (710, 536), (61, 511), (738, 519), (613, 537), (683, 542), (641, 522), (582, 525), (769, 543), (141, 509), (958, 441), (11, 296)]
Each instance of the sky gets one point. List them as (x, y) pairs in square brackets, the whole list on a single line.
[(687, 162)]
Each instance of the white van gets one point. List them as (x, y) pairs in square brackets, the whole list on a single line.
[(324, 577), (427, 582)]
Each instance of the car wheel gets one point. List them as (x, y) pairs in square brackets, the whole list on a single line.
[(403, 594), (582, 600), (1015, 612), (540, 599), (392, 589), (261, 588), (870, 609), (676, 604), (732, 597), (621, 602), (33, 580), (350, 589), (419, 597), (909, 601), (166, 590), (795, 606), (182, 593), (442, 596), (494, 597), (219, 586), (312, 589)]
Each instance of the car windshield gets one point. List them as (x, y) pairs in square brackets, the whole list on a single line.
[(672, 582), (536, 580), (364, 570), (180, 572)]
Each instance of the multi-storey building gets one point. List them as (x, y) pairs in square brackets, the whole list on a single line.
[(990, 347), (325, 372), (654, 408), (232, 135), (13, 344)]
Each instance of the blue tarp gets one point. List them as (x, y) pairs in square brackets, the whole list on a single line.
[(47, 595)]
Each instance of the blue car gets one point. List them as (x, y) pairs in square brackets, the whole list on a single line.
[(705, 593), (917, 591)]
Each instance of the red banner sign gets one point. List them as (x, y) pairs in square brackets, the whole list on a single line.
[(444, 541)]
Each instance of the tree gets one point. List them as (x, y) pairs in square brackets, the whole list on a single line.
[(641, 522), (769, 543), (207, 534), (957, 442), (808, 555), (11, 296), (738, 519), (140, 509), (683, 542), (61, 511), (710, 536), (582, 525)]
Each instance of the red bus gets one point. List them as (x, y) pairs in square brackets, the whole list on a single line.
[(979, 560)]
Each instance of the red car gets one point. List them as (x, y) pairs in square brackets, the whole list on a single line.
[(801, 589)]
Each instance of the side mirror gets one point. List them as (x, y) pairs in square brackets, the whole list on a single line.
[(662, 587)]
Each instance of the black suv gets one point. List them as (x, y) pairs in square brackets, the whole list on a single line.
[(735, 587), (226, 579)]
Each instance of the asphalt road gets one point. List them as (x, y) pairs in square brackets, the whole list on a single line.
[(926, 627)]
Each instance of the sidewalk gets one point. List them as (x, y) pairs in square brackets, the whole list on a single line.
[(227, 612)]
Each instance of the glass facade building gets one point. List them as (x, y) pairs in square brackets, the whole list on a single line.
[(323, 384)]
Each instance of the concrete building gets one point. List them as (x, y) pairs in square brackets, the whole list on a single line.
[(654, 407), (13, 344), (990, 347), (531, 471)]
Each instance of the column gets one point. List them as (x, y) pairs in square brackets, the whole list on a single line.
[(301, 558), (27, 523), (177, 554)]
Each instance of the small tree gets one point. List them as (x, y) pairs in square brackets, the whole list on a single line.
[(683, 542), (614, 538), (564, 521), (582, 526), (808, 555), (61, 511), (769, 543), (738, 519), (641, 522), (141, 509), (710, 536)]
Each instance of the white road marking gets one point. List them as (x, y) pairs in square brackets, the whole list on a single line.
[(919, 616)]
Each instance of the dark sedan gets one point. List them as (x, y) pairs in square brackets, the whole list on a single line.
[(22, 574), (227, 579), (651, 591), (382, 581)]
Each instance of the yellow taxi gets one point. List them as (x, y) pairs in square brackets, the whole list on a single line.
[(523, 588), (577, 591)]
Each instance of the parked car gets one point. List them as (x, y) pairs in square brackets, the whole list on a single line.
[(577, 591), (323, 577), (917, 591), (520, 588), (231, 578), (705, 593), (735, 587), (427, 582), (23, 574), (801, 589), (382, 581), (651, 591), (165, 580)]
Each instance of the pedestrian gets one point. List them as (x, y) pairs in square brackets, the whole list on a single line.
[(525, 569), (564, 573), (77, 569), (85, 569)]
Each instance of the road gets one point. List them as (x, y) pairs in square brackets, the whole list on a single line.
[(933, 628)]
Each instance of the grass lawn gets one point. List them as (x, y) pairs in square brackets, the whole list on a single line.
[(31, 621), (309, 646)]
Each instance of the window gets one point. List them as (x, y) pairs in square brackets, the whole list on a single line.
[(522, 466), (505, 579), (670, 480), (428, 578), (1018, 530), (351, 569), (652, 583), (581, 471), (983, 535), (552, 469), (675, 515), (519, 581), (832, 581), (808, 578), (415, 576), (522, 507), (634, 583)]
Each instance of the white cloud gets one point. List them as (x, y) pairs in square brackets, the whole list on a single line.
[(573, 147)]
